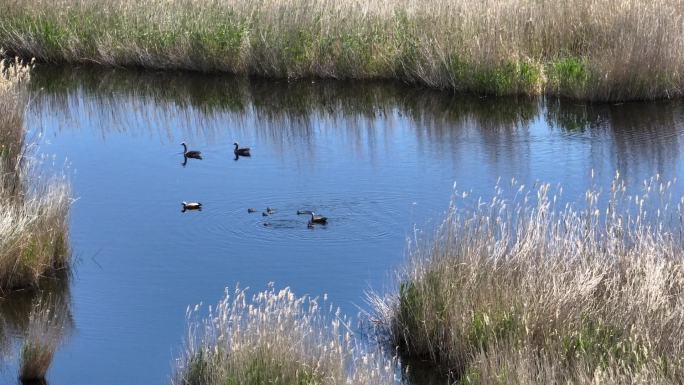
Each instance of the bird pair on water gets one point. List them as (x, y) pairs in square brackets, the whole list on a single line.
[(244, 151)]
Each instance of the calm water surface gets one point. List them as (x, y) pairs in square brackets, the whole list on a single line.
[(376, 159)]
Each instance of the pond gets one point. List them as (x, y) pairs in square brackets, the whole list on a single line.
[(380, 160)]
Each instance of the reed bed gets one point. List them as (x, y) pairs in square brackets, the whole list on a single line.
[(277, 338), (588, 49), (522, 289), (34, 206)]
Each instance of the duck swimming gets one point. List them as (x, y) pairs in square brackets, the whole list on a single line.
[(318, 219), (251, 211), (191, 206), (244, 151), (190, 154)]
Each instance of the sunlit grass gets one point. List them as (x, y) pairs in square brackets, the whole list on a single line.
[(277, 338), (594, 49), (34, 206), (521, 289)]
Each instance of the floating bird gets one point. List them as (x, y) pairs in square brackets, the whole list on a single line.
[(241, 151), (269, 210), (318, 219), (190, 154), (264, 214), (251, 210), (191, 206)]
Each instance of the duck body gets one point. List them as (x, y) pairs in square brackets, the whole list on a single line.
[(244, 151), (318, 219), (191, 205), (251, 211), (190, 154)]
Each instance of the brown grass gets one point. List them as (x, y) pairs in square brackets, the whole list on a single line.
[(34, 206), (593, 49), (523, 290), (280, 339)]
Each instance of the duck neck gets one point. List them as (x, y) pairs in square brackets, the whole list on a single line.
[(185, 148), (236, 146)]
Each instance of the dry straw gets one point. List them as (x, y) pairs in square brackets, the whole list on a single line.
[(594, 49), (277, 338), (34, 206), (522, 289)]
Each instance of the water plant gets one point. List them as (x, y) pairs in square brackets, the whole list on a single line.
[(590, 49), (525, 289), (34, 206), (277, 338)]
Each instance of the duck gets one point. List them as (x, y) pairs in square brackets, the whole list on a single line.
[(318, 219), (269, 210), (241, 151), (191, 206), (251, 210), (264, 214), (190, 154)]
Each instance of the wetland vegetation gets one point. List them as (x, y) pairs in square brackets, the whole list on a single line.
[(34, 205), (275, 337), (587, 49), (521, 290)]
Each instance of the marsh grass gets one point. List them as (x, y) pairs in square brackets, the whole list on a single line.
[(592, 49), (522, 289), (34, 206), (277, 338), (47, 324)]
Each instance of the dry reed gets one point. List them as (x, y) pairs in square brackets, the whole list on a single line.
[(33, 205), (277, 338), (524, 290), (592, 49)]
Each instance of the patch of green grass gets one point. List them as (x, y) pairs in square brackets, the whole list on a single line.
[(568, 76), (603, 345)]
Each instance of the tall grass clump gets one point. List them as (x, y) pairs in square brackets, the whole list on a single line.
[(48, 321), (522, 289), (277, 338), (34, 206), (590, 49)]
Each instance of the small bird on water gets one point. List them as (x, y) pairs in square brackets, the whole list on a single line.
[(190, 154), (244, 151), (191, 206), (321, 220)]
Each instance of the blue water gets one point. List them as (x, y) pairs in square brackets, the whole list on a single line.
[(379, 160)]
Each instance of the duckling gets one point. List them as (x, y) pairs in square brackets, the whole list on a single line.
[(318, 219), (251, 210), (191, 206), (241, 151), (190, 154)]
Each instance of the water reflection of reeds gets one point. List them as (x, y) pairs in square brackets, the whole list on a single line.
[(291, 115)]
